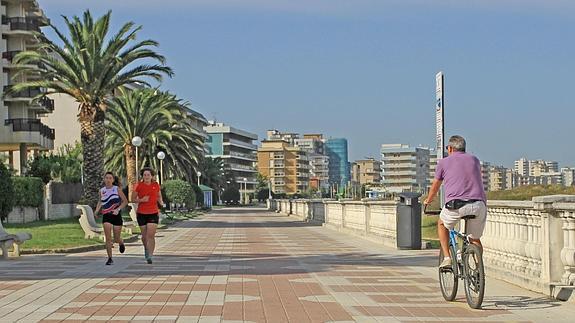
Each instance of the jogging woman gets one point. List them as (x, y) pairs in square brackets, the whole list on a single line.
[(147, 194), (112, 201)]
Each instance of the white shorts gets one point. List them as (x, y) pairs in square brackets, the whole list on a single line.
[(475, 226)]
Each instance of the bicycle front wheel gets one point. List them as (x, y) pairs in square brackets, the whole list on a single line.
[(474, 275), (448, 280)]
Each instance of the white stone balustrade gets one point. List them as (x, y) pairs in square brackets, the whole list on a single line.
[(529, 243)]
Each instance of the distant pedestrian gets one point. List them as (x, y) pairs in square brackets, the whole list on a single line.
[(147, 194), (112, 201)]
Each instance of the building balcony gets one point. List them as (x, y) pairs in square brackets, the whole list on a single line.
[(9, 55), (239, 143), (27, 25), (245, 156), (31, 125), (25, 95), (242, 168)]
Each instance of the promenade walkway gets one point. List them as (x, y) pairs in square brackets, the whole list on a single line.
[(250, 265)]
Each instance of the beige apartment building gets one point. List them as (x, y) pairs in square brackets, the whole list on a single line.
[(366, 172), (286, 166), (21, 130)]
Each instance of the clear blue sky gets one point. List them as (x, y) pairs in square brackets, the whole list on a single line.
[(365, 69)]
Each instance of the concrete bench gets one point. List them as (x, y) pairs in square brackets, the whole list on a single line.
[(88, 223), (8, 240), (92, 229)]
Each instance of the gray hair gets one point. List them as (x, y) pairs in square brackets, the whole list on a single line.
[(457, 143)]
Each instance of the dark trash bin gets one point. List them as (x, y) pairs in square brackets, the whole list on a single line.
[(409, 221)]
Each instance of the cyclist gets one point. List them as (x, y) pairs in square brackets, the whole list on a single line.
[(464, 195)]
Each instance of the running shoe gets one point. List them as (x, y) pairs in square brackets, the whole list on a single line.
[(149, 260), (109, 262), (122, 248)]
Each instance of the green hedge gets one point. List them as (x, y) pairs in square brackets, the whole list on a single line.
[(28, 191), (6, 192), (178, 191)]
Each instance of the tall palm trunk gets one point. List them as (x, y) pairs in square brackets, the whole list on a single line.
[(92, 134), (130, 156)]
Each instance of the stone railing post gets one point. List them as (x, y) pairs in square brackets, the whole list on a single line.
[(558, 237)]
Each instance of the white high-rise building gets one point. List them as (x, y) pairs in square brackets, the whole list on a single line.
[(237, 149), (21, 130), (522, 167), (404, 168), (568, 176)]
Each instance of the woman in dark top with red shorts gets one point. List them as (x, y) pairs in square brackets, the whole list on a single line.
[(147, 194)]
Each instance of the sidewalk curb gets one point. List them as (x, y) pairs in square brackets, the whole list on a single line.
[(133, 238)]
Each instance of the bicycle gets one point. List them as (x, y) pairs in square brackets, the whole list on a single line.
[(466, 264)]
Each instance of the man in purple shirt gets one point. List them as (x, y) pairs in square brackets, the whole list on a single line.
[(460, 174)]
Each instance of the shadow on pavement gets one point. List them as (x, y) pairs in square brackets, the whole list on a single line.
[(519, 302)]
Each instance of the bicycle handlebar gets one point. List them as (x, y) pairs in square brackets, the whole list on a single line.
[(432, 212)]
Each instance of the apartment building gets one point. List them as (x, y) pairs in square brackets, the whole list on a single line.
[(568, 176), (432, 166), (314, 145), (366, 172), (500, 178), (22, 131), (287, 166), (236, 148), (405, 168)]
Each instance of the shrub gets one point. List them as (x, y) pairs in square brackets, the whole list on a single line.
[(6, 192), (231, 196), (178, 191), (529, 191), (28, 191)]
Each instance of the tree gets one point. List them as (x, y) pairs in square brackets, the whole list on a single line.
[(90, 64), (160, 119), (263, 194), (6, 192), (213, 174)]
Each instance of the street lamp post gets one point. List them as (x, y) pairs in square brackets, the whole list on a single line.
[(137, 142), (161, 155), (199, 175)]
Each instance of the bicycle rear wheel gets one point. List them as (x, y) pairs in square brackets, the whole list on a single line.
[(474, 275), (448, 280)]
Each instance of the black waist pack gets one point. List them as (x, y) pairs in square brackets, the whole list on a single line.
[(458, 204)]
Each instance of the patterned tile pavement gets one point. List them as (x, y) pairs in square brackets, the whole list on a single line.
[(249, 265)]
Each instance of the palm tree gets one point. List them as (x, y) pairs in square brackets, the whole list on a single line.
[(90, 64), (161, 121), (212, 169)]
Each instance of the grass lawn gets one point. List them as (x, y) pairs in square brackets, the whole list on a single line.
[(67, 233), (429, 229), (57, 234)]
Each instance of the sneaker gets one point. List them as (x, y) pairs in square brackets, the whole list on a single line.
[(109, 262), (122, 248), (149, 260), (446, 263)]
